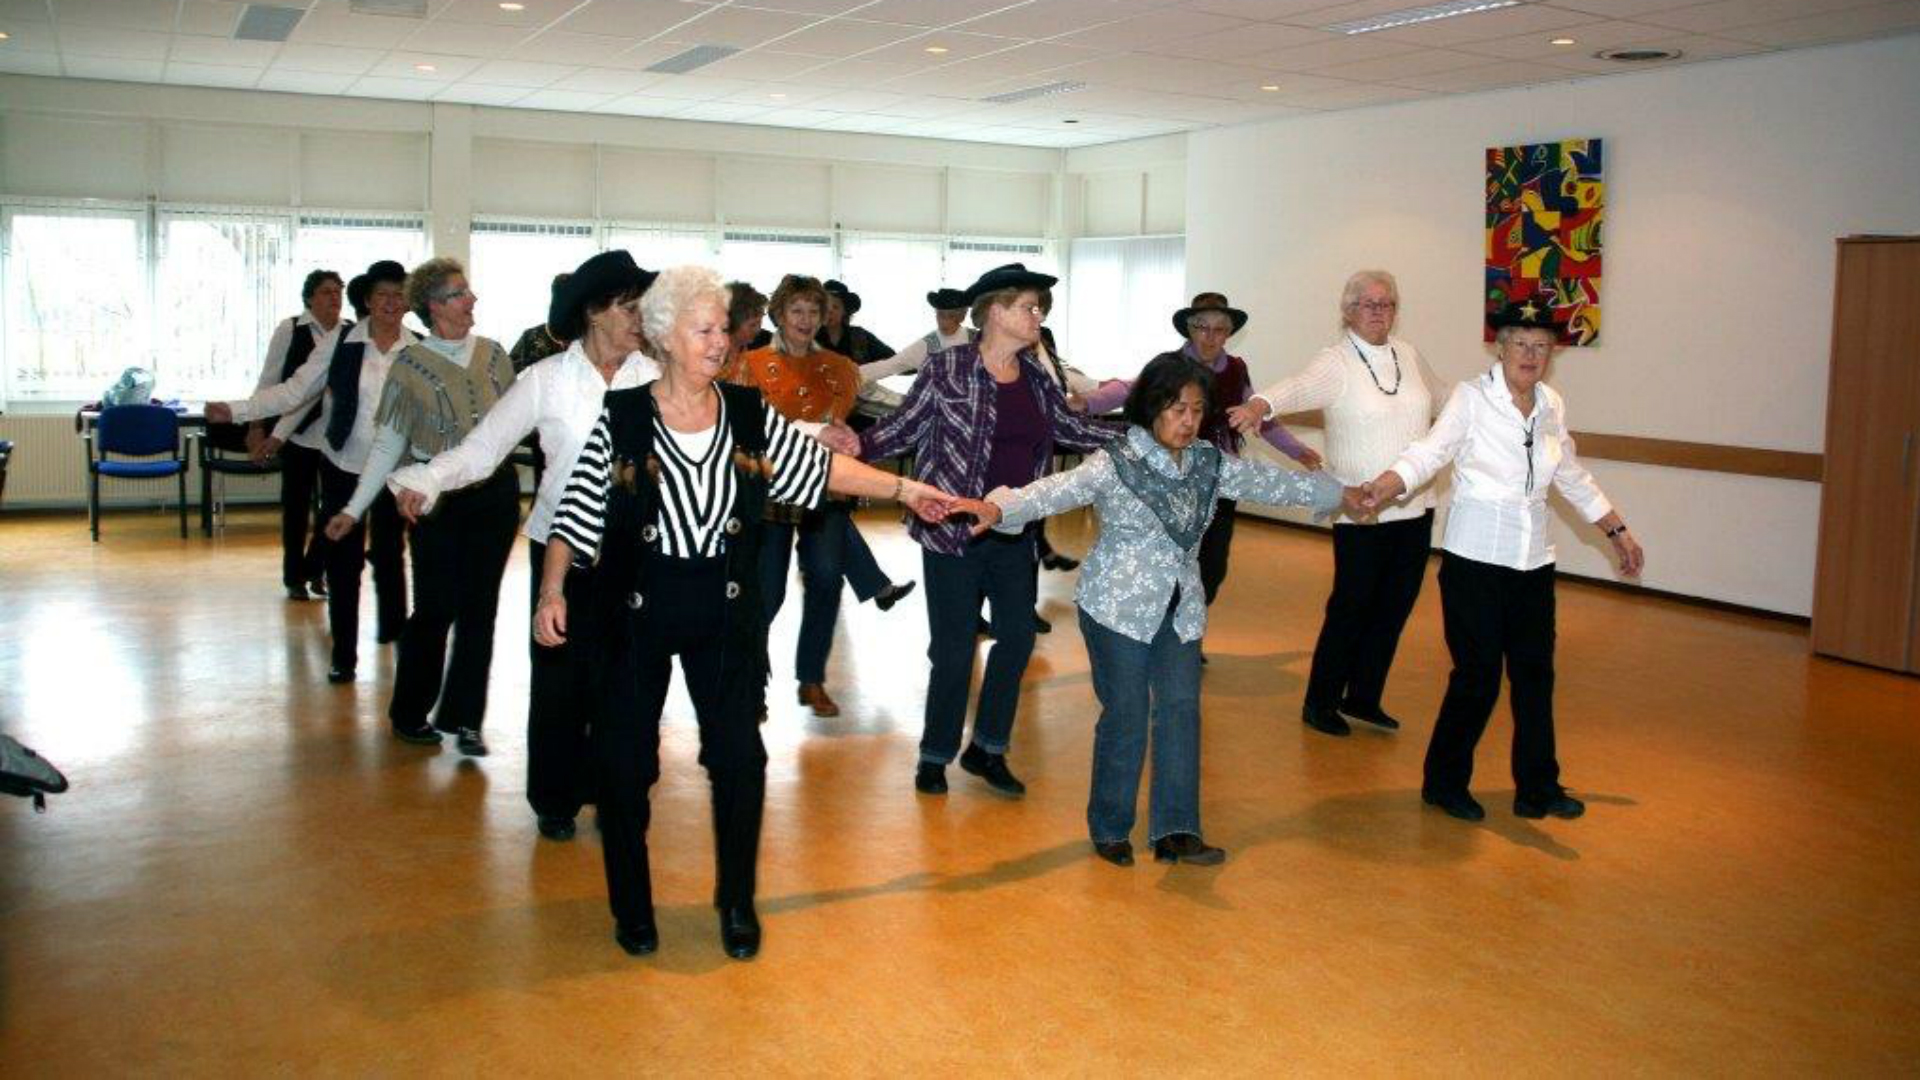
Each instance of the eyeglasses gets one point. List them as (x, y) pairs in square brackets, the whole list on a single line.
[(1209, 328), (1531, 348), (1378, 307), (449, 297), (1034, 310)]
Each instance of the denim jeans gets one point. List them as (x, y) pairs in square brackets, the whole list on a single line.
[(1000, 570), (822, 538), (1135, 682)]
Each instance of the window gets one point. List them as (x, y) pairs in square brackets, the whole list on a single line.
[(220, 284), (1125, 292), (512, 271), (893, 277), (968, 259), (656, 247), (347, 244), (761, 259), (76, 300)]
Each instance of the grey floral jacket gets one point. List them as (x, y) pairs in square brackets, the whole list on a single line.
[(1128, 579)]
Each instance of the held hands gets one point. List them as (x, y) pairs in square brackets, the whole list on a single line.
[(1382, 490), (1353, 500), (339, 525), (1246, 419), (985, 514), (550, 620), (412, 504), (266, 448), (928, 503), (840, 439)]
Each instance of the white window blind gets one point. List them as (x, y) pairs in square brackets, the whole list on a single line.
[(1125, 292), (220, 283), (762, 258), (76, 300), (512, 271), (349, 243), (657, 247), (893, 276)]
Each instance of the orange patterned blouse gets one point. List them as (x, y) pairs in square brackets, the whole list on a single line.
[(817, 388)]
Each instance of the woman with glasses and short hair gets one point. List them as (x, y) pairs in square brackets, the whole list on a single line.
[(1376, 394)]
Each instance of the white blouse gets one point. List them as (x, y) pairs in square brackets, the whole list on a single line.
[(309, 382), (1503, 465), (276, 360)]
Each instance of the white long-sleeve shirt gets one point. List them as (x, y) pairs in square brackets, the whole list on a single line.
[(561, 398), (1503, 465), (276, 362), (309, 383), (1376, 400)]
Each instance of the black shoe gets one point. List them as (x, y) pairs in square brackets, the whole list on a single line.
[(1119, 853), (554, 827), (930, 779), (1374, 715), (1562, 805), (993, 769), (421, 735), (891, 595), (470, 743), (642, 940), (340, 675), (1057, 561), (318, 587), (984, 629), (1461, 805), (740, 932), (1040, 625), (297, 592), (1325, 720), (1187, 848)]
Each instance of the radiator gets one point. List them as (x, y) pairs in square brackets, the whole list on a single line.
[(49, 471)]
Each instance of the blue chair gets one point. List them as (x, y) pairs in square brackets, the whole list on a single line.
[(135, 431)]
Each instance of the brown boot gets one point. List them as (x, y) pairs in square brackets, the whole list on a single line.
[(814, 695)]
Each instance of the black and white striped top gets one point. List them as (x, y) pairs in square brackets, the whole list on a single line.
[(696, 490)]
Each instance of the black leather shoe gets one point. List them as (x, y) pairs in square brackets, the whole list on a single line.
[(1187, 848), (470, 743), (297, 592), (1562, 805), (1462, 805), (930, 779), (642, 940), (318, 587), (1374, 715), (422, 735), (1040, 625), (554, 827), (1057, 561), (993, 769), (891, 595), (1119, 853), (1325, 720), (740, 932), (340, 675)]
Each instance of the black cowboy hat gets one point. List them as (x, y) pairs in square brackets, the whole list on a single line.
[(1208, 301), (947, 300), (1010, 276), (1526, 315), (610, 273), (848, 298), (384, 270)]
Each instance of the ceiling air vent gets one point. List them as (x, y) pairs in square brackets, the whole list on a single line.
[(1638, 56), (1031, 92), (265, 22), (697, 57)]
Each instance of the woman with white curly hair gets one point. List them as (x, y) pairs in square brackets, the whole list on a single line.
[(666, 500)]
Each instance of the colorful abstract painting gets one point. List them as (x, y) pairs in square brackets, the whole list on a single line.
[(1545, 206)]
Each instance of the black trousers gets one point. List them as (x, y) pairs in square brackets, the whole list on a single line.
[(1495, 614), (559, 705), (1377, 571), (459, 554), (684, 613), (380, 539), (1214, 544), (302, 542)]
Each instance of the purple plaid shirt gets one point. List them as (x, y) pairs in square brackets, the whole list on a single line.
[(947, 423)]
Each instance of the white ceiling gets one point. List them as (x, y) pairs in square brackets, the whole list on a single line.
[(1150, 66)]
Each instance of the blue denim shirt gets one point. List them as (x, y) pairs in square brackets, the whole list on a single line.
[(1128, 579)]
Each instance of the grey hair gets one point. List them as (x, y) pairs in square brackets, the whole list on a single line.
[(1357, 284), (674, 291)]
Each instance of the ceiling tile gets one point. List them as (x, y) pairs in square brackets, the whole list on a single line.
[(305, 82), (1354, 96), (30, 11), (224, 51), (1048, 18), (721, 112), (931, 12), (563, 100), (398, 89), (221, 75), (1840, 26), (1587, 37), (696, 87), (1619, 9), (641, 105), (740, 27), (1273, 10), (861, 122), (1489, 76), (928, 107), (407, 65), (1487, 25), (858, 73), (359, 31), (100, 41), (1241, 42), (846, 37), (608, 81), (120, 68), (536, 13), (1693, 46), (520, 73), (811, 7), (857, 100), (959, 46), (777, 95), (763, 65), (471, 93), (631, 19), (22, 62), (1342, 50), (466, 39), (1395, 68), (563, 47), (334, 59), (30, 37), (1143, 32), (216, 18), (1038, 57), (126, 14), (796, 118)]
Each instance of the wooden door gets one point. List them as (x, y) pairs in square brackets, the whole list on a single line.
[(1865, 592)]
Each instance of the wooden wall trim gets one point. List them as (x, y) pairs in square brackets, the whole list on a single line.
[(1673, 454)]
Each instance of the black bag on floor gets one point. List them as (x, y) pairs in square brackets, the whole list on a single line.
[(27, 774)]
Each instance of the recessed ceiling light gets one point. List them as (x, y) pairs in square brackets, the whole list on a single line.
[(1270, 88), (1563, 41), (510, 6), (1638, 55), (778, 97), (937, 50), (429, 68), (4, 35)]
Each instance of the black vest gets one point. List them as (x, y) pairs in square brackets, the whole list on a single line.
[(630, 542), (343, 382), (298, 350)]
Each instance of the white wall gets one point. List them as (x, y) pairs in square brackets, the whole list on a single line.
[(1727, 184)]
